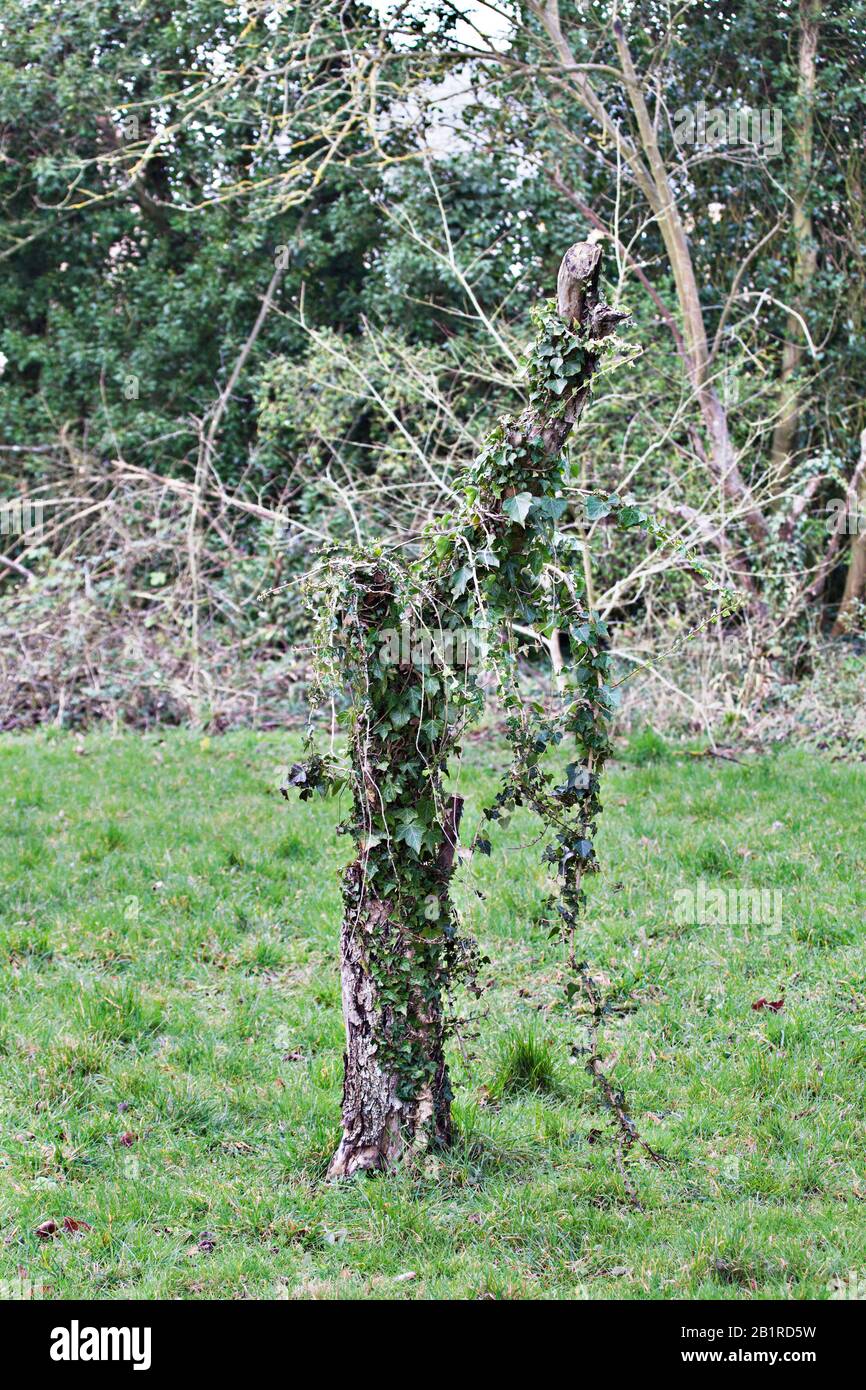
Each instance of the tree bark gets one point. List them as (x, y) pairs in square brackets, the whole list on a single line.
[(805, 255), (378, 1125), (855, 579), (722, 456), (647, 166)]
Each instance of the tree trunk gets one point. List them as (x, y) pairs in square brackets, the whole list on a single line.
[(377, 1124), (855, 580), (396, 1095), (805, 257), (399, 941), (654, 181)]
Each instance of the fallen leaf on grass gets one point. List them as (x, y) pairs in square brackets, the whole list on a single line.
[(73, 1227), (236, 1146), (774, 1004), (49, 1229)]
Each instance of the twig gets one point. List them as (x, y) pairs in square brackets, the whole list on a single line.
[(18, 569)]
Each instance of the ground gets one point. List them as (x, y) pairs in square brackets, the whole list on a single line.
[(171, 1041)]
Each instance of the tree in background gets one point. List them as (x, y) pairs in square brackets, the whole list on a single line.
[(697, 156)]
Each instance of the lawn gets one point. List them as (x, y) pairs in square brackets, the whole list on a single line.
[(171, 1041)]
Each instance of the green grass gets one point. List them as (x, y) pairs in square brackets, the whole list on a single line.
[(168, 958)]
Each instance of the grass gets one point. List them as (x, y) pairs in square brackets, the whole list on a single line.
[(171, 1041), (525, 1067)]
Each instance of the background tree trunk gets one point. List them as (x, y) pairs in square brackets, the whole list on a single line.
[(855, 580), (805, 255), (647, 166)]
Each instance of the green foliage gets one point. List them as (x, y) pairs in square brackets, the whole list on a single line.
[(146, 188), (525, 1067), (134, 272)]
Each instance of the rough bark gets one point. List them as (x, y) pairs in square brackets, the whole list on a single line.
[(377, 1125)]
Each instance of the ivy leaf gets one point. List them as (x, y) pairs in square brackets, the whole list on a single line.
[(551, 507), (631, 516), (578, 778), (461, 579), (596, 508), (517, 507), (413, 835)]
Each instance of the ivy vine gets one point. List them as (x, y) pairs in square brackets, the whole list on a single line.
[(402, 647)]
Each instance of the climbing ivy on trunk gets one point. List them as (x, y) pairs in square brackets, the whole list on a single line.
[(402, 643)]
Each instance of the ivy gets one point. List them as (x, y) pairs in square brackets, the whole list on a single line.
[(496, 559)]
